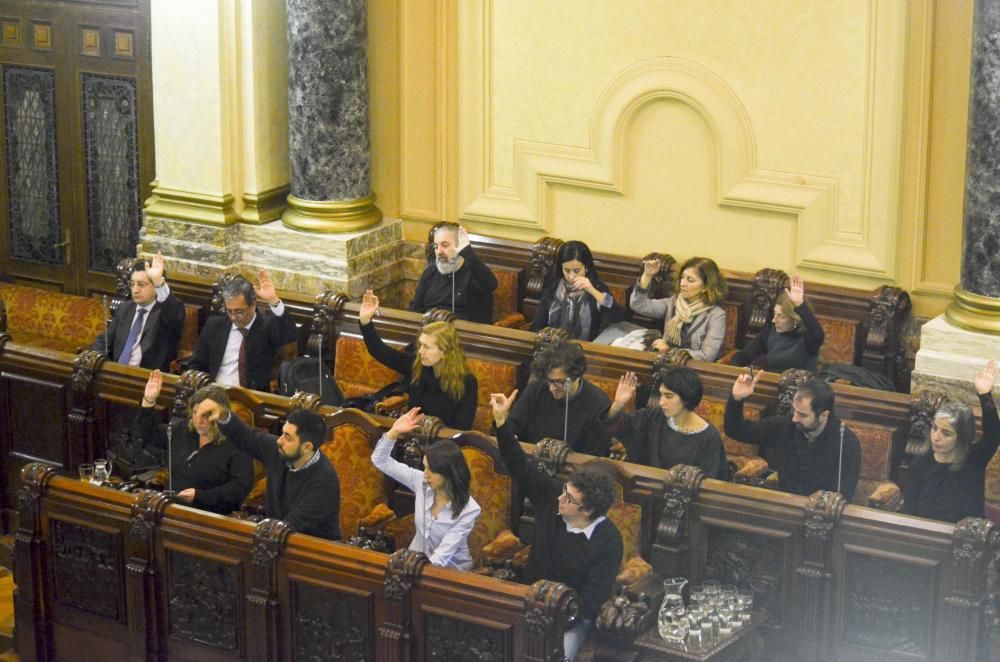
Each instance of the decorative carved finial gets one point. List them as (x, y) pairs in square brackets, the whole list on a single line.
[(190, 381), (883, 350), (269, 540), (551, 455), (417, 441), (680, 487), (662, 283), (922, 408), (822, 513), (437, 315), (767, 285), (543, 257), (147, 511), (325, 308), (35, 478), (304, 400), (549, 608), (403, 569), (217, 304), (788, 385), (971, 539), (371, 538), (85, 367), (623, 618)]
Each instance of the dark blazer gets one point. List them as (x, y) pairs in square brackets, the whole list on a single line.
[(160, 335), (268, 333)]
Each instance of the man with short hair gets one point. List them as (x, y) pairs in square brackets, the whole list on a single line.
[(145, 330), (457, 280), (303, 489), (573, 541), (811, 450), (237, 349), (541, 410)]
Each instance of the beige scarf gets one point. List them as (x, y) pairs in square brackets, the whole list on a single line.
[(684, 312)]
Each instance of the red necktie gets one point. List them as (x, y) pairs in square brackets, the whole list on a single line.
[(242, 362)]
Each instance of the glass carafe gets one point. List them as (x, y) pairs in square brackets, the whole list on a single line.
[(672, 621)]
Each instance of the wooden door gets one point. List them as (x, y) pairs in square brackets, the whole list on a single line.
[(76, 139)]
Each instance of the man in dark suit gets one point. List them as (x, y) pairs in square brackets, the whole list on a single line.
[(146, 329), (237, 349)]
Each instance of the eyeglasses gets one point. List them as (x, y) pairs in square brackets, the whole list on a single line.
[(559, 383), (569, 497), (238, 312)]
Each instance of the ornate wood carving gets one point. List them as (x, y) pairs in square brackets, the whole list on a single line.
[(203, 600), (322, 330), (883, 349), (922, 408), (85, 367), (374, 539), (453, 640), (623, 618), (752, 563), (888, 605), (680, 488), (416, 442), (394, 634), (548, 611), (190, 381), (217, 304), (304, 400), (788, 385), (32, 615), (331, 625), (437, 315), (543, 257), (86, 569), (123, 284), (974, 545), (550, 454), (815, 570), (767, 285), (147, 511), (269, 539)]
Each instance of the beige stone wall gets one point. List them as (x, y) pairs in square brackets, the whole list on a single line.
[(822, 138)]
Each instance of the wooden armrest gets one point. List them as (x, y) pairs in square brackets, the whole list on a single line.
[(618, 451), (886, 496), (379, 515), (749, 470), (502, 548), (635, 569), (512, 321), (393, 406), (727, 358)]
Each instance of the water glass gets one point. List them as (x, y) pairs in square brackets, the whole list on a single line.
[(725, 619), (102, 470), (86, 472), (728, 592), (694, 636), (744, 600), (707, 628)]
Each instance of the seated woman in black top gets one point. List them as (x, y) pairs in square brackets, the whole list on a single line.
[(574, 298), (671, 433), (792, 340), (438, 377), (947, 482), (208, 472)]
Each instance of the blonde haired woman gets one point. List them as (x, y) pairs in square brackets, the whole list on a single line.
[(437, 374), (792, 340)]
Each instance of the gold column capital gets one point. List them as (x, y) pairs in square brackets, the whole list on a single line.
[(974, 311), (331, 215)]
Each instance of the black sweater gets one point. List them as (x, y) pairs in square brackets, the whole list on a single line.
[(650, 440), (308, 500), (803, 466), (220, 474), (587, 566), (598, 314), (426, 392), (931, 489), (536, 415), (798, 348), (473, 285)]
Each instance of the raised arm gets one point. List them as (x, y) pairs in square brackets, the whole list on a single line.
[(482, 279), (533, 483), (257, 443), (147, 421), (382, 455), (736, 426), (982, 451), (814, 334), (399, 361)]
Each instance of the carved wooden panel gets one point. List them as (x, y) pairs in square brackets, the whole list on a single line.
[(888, 604), (204, 600), (331, 625), (751, 562), (33, 436), (86, 569), (449, 639)]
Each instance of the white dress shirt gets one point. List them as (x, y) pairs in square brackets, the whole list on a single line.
[(229, 369), (162, 292)]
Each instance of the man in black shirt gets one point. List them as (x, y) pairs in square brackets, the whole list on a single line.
[(573, 542), (813, 450), (457, 280), (302, 486), (541, 411)]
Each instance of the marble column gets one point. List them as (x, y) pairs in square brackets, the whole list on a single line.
[(328, 117), (977, 298)]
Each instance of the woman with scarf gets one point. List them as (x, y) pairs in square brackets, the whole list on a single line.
[(574, 298), (693, 319)]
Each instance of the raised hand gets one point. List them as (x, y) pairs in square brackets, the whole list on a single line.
[(153, 386), (501, 406), (626, 389), (265, 291), (744, 385), (986, 378), (463, 239), (369, 307), (405, 424), (796, 290), (154, 269), (582, 283), (649, 269)]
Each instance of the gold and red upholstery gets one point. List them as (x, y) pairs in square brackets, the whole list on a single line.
[(745, 456), (874, 487), (732, 324), (993, 489), (362, 486), (841, 338), (505, 297), (493, 377), (356, 372), (52, 320)]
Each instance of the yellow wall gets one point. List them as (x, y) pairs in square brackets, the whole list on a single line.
[(822, 138)]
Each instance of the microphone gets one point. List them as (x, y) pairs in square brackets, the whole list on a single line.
[(569, 382), (319, 365), (170, 459), (107, 324), (454, 261), (840, 460)]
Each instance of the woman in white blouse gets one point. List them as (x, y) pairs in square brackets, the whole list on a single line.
[(444, 510)]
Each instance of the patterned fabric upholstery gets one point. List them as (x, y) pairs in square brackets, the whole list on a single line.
[(732, 324), (493, 377), (628, 518), (714, 411), (51, 319), (505, 297), (876, 448), (362, 486), (993, 489), (609, 385), (841, 336), (492, 491), (356, 372)]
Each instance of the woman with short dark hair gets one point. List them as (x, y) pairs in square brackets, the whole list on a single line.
[(574, 298), (671, 433), (444, 511), (948, 481)]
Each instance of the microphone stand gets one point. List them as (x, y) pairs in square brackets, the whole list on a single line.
[(170, 461), (454, 261), (319, 364), (107, 324), (569, 383), (840, 460)]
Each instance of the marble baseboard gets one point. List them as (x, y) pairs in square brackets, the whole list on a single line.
[(949, 357)]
